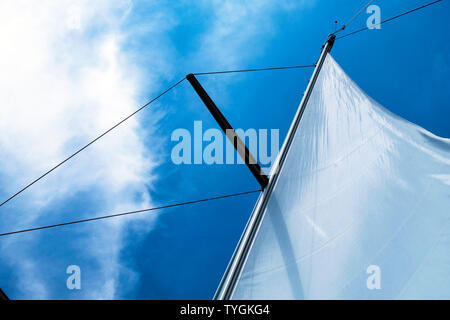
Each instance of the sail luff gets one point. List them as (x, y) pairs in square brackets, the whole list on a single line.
[(228, 283)]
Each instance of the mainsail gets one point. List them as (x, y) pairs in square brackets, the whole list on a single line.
[(360, 189)]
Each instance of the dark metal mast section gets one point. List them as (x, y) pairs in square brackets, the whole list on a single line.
[(235, 140), (3, 296), (234, 269)]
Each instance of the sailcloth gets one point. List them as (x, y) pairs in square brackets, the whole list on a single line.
[(361, 208)]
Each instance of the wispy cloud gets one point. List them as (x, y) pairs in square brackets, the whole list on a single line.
[(241, 30), (66, 77)]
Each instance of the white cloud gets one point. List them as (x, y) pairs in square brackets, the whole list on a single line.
[(65, 78), (240, 30)]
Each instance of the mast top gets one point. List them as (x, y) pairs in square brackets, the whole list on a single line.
[(330, 42)]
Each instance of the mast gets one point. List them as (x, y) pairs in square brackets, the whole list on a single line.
[(234, 269), (3, 295)]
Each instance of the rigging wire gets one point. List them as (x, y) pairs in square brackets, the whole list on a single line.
[(90, 143), (390, 19), (130, 212), (253, 70), (352, 19), (134, 113)]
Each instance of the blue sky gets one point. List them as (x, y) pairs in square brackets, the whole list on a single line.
[(73, 69)]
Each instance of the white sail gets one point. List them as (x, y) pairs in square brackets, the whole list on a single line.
[(361, 209)]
